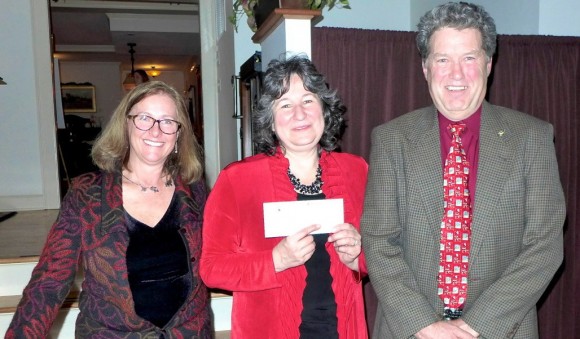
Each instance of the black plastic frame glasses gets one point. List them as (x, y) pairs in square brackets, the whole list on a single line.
[(152, 121)]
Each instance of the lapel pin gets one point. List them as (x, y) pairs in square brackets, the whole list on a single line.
[(500, 133)]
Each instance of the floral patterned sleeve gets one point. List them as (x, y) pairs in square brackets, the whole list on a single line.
[(54, 274)]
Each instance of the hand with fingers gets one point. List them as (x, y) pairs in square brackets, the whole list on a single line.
[(347, 243), (445, 329), (294, 250)]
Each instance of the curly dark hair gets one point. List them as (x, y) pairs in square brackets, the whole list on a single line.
[(458, 15), (276, 83)]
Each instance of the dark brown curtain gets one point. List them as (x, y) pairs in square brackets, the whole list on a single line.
[(540, 75), (378, 74)]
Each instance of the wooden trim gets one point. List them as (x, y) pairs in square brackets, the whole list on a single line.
[(276, 18), (19, 260), (8, 303)]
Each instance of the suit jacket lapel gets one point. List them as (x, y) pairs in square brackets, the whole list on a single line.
[(493, 166), (425, 161)]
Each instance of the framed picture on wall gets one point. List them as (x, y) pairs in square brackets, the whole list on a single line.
[(78, 99)]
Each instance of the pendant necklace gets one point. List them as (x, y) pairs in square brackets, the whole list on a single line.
[(314, 188), (154, 189)]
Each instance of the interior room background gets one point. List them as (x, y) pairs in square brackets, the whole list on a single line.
[(26, 105)]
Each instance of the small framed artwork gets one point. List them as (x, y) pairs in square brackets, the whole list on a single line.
[(78, 99)]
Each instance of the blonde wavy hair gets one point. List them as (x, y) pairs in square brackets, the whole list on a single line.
[(111, 149)]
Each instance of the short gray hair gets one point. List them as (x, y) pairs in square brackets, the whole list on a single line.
[(458, 15)]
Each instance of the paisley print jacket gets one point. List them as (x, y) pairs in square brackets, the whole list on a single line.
[(91, 231)]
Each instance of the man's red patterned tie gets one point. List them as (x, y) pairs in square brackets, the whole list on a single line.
[(455, 228)]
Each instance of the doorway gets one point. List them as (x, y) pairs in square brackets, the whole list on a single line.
[(90, 40)]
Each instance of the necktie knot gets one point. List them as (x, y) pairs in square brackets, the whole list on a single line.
[(456, 129)]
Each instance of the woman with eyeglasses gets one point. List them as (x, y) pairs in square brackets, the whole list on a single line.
[(134, 226)]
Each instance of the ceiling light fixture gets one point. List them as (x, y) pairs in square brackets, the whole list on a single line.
[(129, 82), (153, 72)]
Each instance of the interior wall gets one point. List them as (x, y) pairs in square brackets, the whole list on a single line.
[(217, 68), (28, 170), (546, 17), (19, 115), (559, 17), (511, 17), (105, 77)]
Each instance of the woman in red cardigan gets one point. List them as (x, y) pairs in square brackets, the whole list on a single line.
[(307, 284)]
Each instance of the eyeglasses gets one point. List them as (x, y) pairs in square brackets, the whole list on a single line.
[(145, 123)]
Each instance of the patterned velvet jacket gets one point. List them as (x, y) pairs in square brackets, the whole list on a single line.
[(91, 227)]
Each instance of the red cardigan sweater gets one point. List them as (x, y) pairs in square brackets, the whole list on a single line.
[(236, 256)]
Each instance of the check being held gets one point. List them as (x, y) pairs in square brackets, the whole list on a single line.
[(285, 218)]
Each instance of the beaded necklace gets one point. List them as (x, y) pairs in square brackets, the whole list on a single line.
[(314, 188)]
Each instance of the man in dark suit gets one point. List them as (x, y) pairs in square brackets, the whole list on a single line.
[(512, 231)]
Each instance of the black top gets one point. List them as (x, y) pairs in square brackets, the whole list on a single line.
[(319, 313), (158, 267)]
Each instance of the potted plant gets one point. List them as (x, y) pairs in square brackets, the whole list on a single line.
[(249, 8)]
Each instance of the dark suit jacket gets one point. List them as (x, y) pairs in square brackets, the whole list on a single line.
[(516, 244), (91, 228)]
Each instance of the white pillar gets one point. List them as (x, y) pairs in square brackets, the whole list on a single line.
[(286, 32)]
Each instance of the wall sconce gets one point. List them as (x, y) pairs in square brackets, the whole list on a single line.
[(153, 72), (129, 82), (2, 82)]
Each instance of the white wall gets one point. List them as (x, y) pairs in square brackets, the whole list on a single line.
[(559, 17), (545, 17), (28, 158), (521, 17), (107, 79), (19, 117), (511, 17), (370, 14), (527, 17), (220, 129), (104, 76)]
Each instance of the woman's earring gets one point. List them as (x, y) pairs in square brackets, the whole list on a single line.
[(175, 148)]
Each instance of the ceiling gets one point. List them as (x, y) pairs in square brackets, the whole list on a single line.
[(166, 32)]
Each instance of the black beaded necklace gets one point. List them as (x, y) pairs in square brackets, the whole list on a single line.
[(314, 188)]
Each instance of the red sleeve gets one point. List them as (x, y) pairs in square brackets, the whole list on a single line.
[(228, 260)]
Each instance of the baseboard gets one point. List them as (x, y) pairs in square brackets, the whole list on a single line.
[(26, 203)]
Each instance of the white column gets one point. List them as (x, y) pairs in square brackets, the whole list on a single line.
[(285, 32)]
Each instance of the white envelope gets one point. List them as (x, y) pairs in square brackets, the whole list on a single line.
[(285, 218)]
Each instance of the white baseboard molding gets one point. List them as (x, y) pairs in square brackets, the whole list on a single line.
[(26, 203)]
